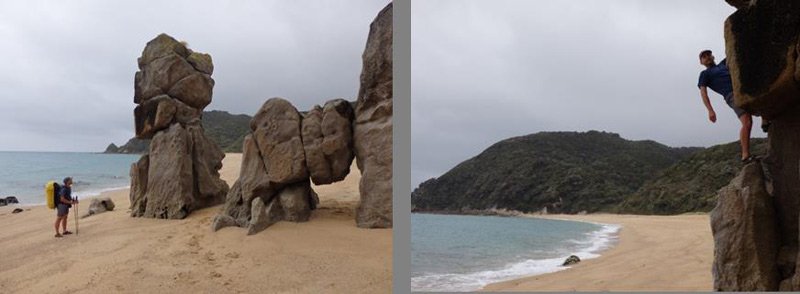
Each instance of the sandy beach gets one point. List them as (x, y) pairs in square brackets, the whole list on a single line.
[(669, 253), (114, 252)]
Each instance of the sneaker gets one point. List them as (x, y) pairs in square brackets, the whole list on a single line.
[(58, 236), (747, 160), (67, 233)]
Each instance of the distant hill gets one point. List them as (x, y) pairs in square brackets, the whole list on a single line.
[(227, 130), (560, 172), (691, 184)]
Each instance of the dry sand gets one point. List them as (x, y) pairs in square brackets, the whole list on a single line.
[(116, 253), (670, 253)]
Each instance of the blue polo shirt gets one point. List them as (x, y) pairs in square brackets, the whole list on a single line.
[(718, 78), (65, 192)]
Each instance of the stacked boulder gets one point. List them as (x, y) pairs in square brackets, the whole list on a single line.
[(285, 151), (180, 173), (756, 223)]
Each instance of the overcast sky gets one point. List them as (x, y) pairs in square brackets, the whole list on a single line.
[(483, 71), (66, 82)]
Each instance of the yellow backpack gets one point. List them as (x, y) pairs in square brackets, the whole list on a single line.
[(50, 193)]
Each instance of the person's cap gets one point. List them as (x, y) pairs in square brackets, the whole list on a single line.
[(704, 53), (67, 179)]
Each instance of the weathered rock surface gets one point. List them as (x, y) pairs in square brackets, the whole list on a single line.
[(264, 215), (139, 185), (761, 42), (761, 46), (297, 201), (372, 130), (99, 205), (328, 141), (260, 198), (170, 181), (276, 130), (745, 235), (252, 183), (201, 62), (194, 90), (180, 172)]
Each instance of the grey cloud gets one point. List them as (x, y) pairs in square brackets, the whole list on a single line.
[(68, 66), (483, 71)]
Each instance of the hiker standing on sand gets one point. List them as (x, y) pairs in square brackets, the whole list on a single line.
[(65, 201), (718, 78)]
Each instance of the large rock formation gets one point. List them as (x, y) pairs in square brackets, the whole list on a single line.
[(273, 180), (761, 43), (372, 131), (180, 172), (745, 234), (287, 150)]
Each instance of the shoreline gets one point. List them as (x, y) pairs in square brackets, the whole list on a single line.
[(116, 253), (593, 246), (672, 253)]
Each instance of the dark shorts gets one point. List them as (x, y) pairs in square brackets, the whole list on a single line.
[(739, 112), (62, 210)]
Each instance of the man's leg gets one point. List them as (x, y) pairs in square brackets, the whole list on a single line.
[(58, 221), (64, 222), (744, 134)]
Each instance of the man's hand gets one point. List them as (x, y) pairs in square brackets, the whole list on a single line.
[(712, 116)]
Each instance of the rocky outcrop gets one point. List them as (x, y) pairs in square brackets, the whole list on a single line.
[(286, 150), (112, 148), (273, 182), (761, 44), (372, 130), (761, 39), (180, 172), (745, 234)]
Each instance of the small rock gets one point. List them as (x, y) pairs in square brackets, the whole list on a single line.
[(99, 205), (263, 216), (11, 200), (221, 221), (572, 259), (17, 210)]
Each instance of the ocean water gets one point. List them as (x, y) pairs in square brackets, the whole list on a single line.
[(24, 174), (466, 253)]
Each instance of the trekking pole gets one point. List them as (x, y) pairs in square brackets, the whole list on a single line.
[(76, 214)]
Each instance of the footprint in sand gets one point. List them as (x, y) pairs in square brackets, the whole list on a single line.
[(232, 255)]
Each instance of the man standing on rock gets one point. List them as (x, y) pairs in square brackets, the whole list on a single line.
[(718, 78), (62, 208)]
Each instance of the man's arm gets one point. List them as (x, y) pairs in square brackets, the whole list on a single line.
[(65, 200), (712, 116)]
